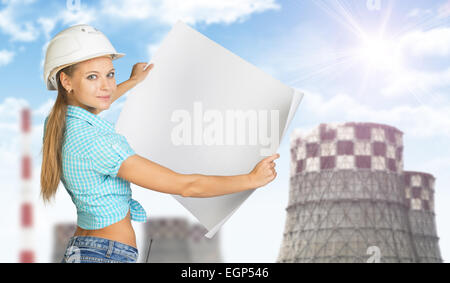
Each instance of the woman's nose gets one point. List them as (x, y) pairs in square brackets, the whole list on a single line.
[(104, 85)]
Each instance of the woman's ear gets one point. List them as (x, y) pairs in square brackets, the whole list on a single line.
[(65, 81)]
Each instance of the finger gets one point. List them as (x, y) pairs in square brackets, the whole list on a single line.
[(148, 67), (272, 158)]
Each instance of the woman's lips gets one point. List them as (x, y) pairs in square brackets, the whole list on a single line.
[(104, 97)]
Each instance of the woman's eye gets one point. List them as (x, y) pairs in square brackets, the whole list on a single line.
[(90, 77), (111, 75)]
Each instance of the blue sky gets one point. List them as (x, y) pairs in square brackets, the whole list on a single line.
[(329, 49)]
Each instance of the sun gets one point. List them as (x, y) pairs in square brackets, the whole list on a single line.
[(379, 54)]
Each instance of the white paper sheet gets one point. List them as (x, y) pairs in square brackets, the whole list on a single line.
[(195, 78)]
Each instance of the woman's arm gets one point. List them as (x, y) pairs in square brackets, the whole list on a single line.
[(122, 88), (145, 173), (138, 74)]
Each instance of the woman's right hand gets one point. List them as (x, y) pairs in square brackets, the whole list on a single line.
[(264, 172)]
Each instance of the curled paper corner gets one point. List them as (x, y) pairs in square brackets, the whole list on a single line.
[(212, 232), (297, 97), (300, 94), (216, 228)]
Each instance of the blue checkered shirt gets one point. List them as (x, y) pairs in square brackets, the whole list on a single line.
[(91, 157)]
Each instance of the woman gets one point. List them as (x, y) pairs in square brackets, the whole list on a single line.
[(97, 165)]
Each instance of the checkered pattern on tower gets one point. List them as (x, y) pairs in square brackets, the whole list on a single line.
[(419, 191), (168, 228), (348, 192), (354, 146), (419, 198)]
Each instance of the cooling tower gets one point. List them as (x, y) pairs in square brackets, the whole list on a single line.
[(203, 249), (175, 240), (346, 198), (170, 240), (62, 233), (419, 191)]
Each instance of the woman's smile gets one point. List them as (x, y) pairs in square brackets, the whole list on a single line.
[(106, 97)]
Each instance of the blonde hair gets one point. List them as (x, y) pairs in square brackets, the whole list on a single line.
[(51, 169)]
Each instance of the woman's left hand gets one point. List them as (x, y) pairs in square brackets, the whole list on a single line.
[(138, 74)]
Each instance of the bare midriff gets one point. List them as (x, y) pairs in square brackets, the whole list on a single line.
[(121, 231)]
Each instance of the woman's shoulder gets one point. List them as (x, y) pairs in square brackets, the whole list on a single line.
[(82, 132), (79, 135)]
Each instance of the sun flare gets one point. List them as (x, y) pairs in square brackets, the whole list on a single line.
[(379, 54)]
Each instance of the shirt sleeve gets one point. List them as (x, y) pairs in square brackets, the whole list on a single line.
[(107, 152)]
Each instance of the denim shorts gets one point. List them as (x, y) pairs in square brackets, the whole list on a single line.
[(88, 249)]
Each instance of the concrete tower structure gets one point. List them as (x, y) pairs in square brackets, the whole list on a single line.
[(169, 240), (203, 249), (419, 191), (175, 240), (62, 233), (347, 200)]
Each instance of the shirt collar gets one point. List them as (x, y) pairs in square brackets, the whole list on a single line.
[(95, 120)]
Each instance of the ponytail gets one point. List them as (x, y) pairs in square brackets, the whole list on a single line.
[(54, 129)]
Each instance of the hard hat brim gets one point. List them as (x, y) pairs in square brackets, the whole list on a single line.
[(53, 85)]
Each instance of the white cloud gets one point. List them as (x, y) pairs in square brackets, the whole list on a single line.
[(27, 31), (10, 108), (69, 15), (419, 83), (444, 10), (6, 57), (417, 46), (414, 13), (78, 16), (151, 49), (435, 42), (23, 31), (433, 14), (130, 9), (166, 12), (191, 12), (43, 51), (422, 121), (48, 24), (45, 108)]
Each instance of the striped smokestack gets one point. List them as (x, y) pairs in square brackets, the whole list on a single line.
[(26, 254)]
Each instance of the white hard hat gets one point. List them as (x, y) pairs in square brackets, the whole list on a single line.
[(72, 45)]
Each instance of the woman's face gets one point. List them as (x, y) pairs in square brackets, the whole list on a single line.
[(93, 84)]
